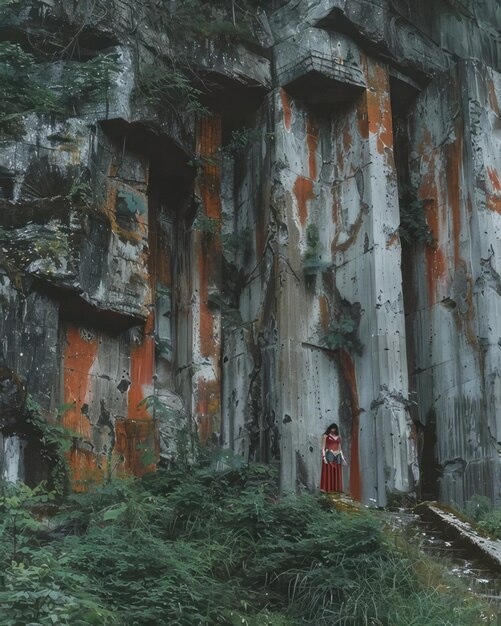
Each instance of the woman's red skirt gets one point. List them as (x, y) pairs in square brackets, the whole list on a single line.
[(332, 477)]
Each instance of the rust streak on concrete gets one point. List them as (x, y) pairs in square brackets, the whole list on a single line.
[(303, 190), (493, 202), (84, 469), (324, 312), (312, 141), (80, 353), (436, 264), (378, 107), (494, 178), (348, 368), (137, 443), (142, 369)]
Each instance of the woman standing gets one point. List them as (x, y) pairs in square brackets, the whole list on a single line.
[(332, 461)]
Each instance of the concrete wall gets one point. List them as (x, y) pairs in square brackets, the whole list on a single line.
[(238, 271)]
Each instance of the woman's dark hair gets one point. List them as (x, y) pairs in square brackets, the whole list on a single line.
[(329, 428)]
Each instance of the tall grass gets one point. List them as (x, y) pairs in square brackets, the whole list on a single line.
[(200, 547), (484, 514)]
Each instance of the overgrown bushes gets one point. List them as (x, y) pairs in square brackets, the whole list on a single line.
[(211, 547), (484, 514)]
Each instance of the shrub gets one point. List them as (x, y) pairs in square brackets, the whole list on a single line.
[(209, 547)]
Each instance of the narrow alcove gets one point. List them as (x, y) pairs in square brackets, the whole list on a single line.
[(404, 92)]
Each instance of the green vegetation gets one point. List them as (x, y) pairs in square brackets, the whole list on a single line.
[(312, 256), (208, 547), (413, 225), (21, 94), (220, 19), (29, 88), (484, 514), (207, 225), (168, 85), (47, 75), (343, 335), (55, 441)]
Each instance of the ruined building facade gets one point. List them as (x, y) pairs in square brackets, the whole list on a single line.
[(258, 231)]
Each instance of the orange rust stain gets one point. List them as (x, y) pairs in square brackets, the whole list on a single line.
[(286, 107), (493, 101), (436, 266), (208, 144), (207, 409), (336, 205), (303, 190), (142, 369), (208, 249), (312, 141), (392, 240), (85, 470), (425, 145), (379, 108), (436, 262), (351, 379), (80, 353), (109, 209), (352, 234), (493, 203), (494, 178), (137, 443), (159, 259), (324, 313)]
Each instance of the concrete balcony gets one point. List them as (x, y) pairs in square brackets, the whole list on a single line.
[(320, 67)]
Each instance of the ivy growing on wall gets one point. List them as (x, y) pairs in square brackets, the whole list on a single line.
[(343, 335), (413, 225), (343, 329)]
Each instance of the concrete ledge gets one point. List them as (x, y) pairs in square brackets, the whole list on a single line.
[(481, 545)]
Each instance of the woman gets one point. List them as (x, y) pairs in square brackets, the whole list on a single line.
[(332, 461)]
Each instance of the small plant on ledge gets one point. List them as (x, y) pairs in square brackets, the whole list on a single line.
[(343, 335), (312, 257)]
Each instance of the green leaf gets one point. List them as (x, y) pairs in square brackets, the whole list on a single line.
[(114, 513)]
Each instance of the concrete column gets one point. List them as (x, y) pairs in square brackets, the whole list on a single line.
[(206, 315)]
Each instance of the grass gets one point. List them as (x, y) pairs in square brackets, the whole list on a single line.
[(484, 514), (196, 546)]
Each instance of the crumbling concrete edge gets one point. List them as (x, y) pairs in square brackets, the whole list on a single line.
[(483, 546)]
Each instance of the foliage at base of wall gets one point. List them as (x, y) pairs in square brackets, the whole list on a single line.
[(55, 441), (484, 514), (214, 547)]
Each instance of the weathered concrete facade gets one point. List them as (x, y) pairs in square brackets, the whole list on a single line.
[(233, 257)]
